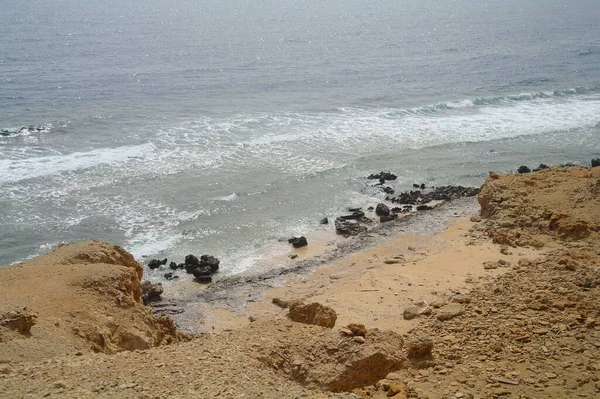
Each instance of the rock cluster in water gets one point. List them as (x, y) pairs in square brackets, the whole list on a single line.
[(202, 268)]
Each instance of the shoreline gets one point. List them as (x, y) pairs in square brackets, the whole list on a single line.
[(228, 301), (497, 305)]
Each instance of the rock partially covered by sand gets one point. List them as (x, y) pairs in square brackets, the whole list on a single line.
[(320, 358), (87, 297), (20, 321), (313, 313)]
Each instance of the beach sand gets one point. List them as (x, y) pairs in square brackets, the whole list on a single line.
[(498, 305)]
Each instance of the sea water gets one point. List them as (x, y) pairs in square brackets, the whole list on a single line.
[(176, 127)]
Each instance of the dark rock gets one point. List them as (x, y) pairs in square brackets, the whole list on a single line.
[(202, 271), (382, 210), (541, 167), (595, 162), (155, 263), (168, 276), (151, 291), (387, 190), (445, 193), (354, 210), (424, 208), (568, 165), (293, 256), (348, 228), (523, 169), (298, 242), (204, 279), (191, 260), (388, 218), (324, 221), (415, 185), (190, 267), (173, 266), (383, 176), (210, 261), (355, 215), (422, 186), (181, 266)]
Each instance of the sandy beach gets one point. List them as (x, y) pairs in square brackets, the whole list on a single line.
[(481, 298)]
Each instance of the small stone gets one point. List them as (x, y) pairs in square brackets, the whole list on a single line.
[(501, 392), (359, 339)]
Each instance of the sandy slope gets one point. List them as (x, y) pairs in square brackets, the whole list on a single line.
[(523, 327)]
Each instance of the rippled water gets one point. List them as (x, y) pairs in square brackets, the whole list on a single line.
[(217, 127)]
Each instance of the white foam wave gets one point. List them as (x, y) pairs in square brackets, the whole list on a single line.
[(15, 170), (228, 198)]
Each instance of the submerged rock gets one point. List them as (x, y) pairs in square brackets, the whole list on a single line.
[(355, 215), (155, 263), (388, 218), (324, 221), (382, 176)]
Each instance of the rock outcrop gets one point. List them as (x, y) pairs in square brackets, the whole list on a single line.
[(85, 297)]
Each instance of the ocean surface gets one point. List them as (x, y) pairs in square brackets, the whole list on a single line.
[(176, 127)]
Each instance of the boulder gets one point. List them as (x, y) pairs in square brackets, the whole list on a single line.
[(523, 169), (424, 208), (313, 313), (324, 221), (382, 210), (156, 263), (191, 260), (595, 162), (298, 242), (387, 190), (541, 167), (210, 261), (173, 266)]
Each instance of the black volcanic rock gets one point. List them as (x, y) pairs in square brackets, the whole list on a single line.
[(388, 218), (523, 169), (382, 210), (155, 263), (595, 162), (383, 176), (298, 242)]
